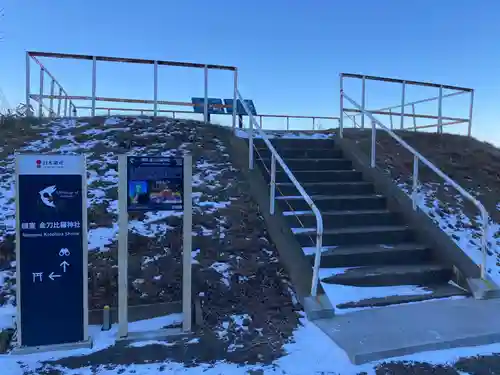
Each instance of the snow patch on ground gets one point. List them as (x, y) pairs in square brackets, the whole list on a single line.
[(292, 134)]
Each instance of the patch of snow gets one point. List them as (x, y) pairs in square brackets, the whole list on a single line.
[(223, 269), (101, 237), (292, 134)]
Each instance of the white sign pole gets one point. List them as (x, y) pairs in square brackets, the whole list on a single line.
[(187, 244), (122, 247)]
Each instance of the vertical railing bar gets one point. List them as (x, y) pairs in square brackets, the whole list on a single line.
[(66, 105), (235, 92), (28, 85), (287, 123), (414, 118), (440, 110), (403, 105), (155, 88), (40, 102), (250, 142), (94, 83), (390, 117), (363, 98), (272, 194), (373, 148), (59, 102), (260, 121), (205, 103), (51, 102), (415, 181), (341, 113), (469, 131)]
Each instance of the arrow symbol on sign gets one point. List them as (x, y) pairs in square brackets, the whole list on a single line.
[(52, 276), (64, 264)]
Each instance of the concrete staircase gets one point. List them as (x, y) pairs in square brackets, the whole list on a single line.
[(371, 257)]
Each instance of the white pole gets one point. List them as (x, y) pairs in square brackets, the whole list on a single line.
[(469, 131), (187, 244), (52, 88), (40, 103), (363, 100), (235, 98), (440, 110), (155, 113), (403, 105), (341, 114), (205, 104), (59, 102), (28, 78), (94, 83), (122, 248)]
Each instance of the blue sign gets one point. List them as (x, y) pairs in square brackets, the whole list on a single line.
[(240, 108), (154, 183), (199, 105), (51, 249)]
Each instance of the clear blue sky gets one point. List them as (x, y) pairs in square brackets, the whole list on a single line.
[(288, 52)]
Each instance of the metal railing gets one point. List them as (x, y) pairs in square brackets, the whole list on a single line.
[(417, 157), (402, 114), (275, 157)]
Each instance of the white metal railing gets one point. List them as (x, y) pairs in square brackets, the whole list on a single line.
[(275, 157), (419, 157)]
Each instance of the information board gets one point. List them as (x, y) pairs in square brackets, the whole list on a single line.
[(240, 108), (154, 183), (51, 249)]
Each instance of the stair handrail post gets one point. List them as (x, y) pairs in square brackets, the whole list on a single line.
[(415, 182), (341, 114), (272, 193), (298, 186), (373, 146), (484, 214), (250, 140)]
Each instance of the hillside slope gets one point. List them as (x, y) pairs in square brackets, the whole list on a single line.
[(474, 165)]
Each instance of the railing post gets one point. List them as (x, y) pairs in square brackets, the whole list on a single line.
[(415, 182), (250, 142), (59, 102), (260, 121), (469, 131), (341, 114), (287, 123), (317, 261), (94, 83), (235, 91), (155, 94), (374, 140), (272, 194), (314, 123), (51, 105), (403, 105), (363, 98), (40, 103), (205, 103), (440, 110), (173, 114), (414, 118), (109, 112), (66, 105), (28, 86), (484, 244), (390, 117)]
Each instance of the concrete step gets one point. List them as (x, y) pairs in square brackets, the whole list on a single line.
[(296, 143), (300, 153), (338, 219), (318, 176), (371, 255), (436, 291), (333, 203), (326, 188), (390, 234), (297, 164), (410, 274)]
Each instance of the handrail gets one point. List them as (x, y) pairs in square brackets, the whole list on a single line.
[(416, 157), (276, 157)]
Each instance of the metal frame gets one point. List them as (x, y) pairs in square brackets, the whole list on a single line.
[(123, 222), (86, 343), (402, 114), (417, 157), (277, 158), (94, 98)]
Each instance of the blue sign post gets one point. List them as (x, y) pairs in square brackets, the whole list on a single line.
[(51, 252), (153, 183)]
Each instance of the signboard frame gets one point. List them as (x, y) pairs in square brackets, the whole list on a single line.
[(80, 160), (123, 224)]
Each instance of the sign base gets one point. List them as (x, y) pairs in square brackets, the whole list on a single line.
[(87, 344), (158, 334)]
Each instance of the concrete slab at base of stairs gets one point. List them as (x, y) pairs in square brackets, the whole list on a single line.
[(380, 333)]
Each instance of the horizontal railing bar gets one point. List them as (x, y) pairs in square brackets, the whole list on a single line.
[(396, 80), (406, 115), (418, 102), (130, 60)]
